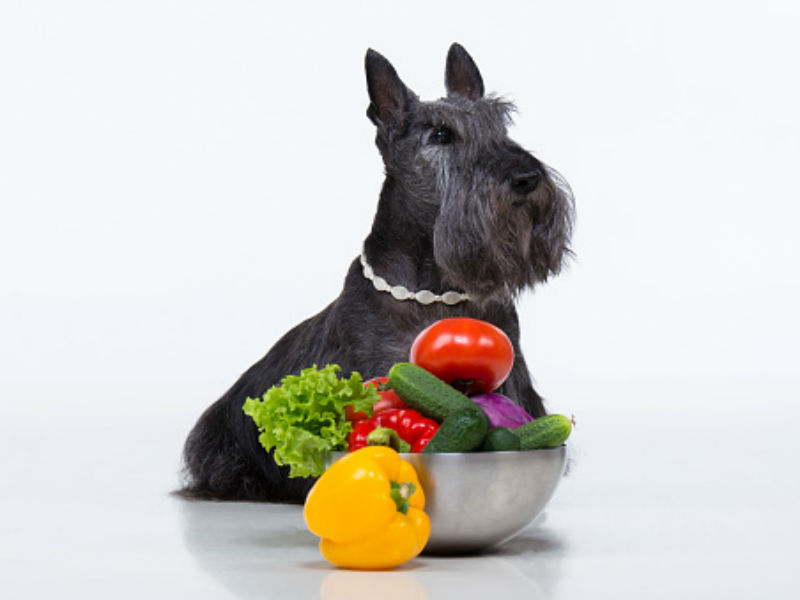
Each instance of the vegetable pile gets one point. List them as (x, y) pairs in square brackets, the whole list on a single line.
[(443, 400), (368, 507)]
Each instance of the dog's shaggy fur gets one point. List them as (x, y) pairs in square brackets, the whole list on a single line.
[(462, 207)]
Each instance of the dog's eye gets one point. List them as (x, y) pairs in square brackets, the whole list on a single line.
[(442, 135)]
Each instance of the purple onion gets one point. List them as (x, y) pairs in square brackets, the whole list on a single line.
[(502, 411)]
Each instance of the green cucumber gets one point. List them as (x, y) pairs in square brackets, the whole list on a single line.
[(499, 439), (462, 431), (549, 431), (425, 392)]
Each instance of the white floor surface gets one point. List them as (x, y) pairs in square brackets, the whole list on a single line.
[(683, 490)]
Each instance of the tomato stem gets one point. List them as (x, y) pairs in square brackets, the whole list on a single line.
[(462, 385)]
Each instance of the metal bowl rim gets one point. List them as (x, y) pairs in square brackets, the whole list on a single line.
[(460, 454)]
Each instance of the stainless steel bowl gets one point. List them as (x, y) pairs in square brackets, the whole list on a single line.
[(477, 500)]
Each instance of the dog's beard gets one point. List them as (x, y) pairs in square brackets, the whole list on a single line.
[(494, 246)]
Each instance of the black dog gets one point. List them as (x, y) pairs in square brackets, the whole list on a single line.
[(463, 208)]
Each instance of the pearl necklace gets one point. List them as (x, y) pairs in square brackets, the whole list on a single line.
[(399, 292)]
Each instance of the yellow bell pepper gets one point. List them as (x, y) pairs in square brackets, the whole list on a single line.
[(368, 510)]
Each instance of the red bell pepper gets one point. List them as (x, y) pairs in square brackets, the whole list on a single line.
[(423, 440), (410, 425), (389, 399)]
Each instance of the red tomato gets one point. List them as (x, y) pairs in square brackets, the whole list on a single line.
[(471, 355), (388, 400)]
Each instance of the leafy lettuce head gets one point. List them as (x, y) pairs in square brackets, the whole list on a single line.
[(303, 417)]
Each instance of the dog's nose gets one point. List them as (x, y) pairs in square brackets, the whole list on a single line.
[(525, 182)]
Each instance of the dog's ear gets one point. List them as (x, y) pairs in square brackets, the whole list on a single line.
[(461, 75), (389, 97)]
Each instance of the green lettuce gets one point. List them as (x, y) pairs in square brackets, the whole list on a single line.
[(303, 417)]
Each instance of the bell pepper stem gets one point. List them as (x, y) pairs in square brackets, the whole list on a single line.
[(386, 436), (400, 493)]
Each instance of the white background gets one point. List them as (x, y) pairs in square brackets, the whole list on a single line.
[(181, 182)]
